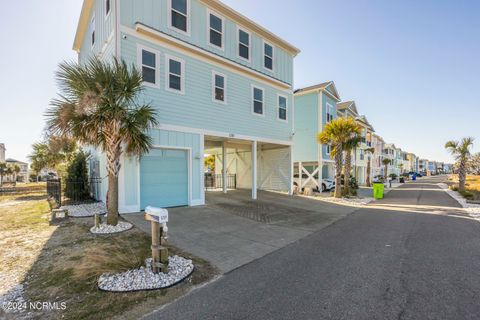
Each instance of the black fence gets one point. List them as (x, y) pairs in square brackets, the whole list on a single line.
[(72, 191), (215, 181)]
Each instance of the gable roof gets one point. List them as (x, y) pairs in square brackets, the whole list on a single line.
[(348, 105), (327, 87), (216, 5), (14, 161), (364, 120)]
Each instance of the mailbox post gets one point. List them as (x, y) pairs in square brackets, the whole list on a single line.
[(158, 218)]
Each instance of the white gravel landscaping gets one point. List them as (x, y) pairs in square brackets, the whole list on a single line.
[(470, 208), (144, 279), (353, 202), (85, 209), (108, 229)]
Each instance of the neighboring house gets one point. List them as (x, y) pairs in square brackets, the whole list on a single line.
[(2, 152), (315, 106), (22, 176), (377, 166), (391, 152), (422, 166), (221, 84), (431, 168)]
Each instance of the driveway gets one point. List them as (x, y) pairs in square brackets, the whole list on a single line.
[(232, 230), (414, 255)]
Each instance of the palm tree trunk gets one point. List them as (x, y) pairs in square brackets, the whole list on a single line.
[(113, 169), (338, 173), (346, 175), (386, 173), (462, 175), (368, 173)]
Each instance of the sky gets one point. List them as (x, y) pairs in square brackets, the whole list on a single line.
[(412, 67)]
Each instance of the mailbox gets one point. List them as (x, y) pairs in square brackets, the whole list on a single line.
[(159, 215)]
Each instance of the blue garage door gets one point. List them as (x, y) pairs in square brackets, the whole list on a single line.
[(164, 178)]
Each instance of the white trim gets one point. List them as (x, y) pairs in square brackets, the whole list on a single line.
[(216, 73), (201, 201), (185, 48), (211, 12), (167, 74), (157, 65), (169, 17), (253, 101), (254, 170), (169, 127), (107, 14), (278, 108), (264, 55), (237, 45)]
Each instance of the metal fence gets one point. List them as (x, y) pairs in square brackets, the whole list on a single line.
[(215, 181), (73, 191)]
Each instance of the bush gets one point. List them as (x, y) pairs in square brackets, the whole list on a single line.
[(353, 183), (393, 176), (467, 195), (76, 183)]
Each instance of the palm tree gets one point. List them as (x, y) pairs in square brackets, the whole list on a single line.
[(461, 151), (98, 106), (336, 133), (3, 171), (368, 152), (348, 147), (386, 162), (15, 171)]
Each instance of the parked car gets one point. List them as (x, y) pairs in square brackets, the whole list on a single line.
[(327, 184)]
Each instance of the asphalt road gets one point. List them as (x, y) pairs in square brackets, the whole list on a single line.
[(413, 255)]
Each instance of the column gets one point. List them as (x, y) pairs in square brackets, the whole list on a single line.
[(224, 167), (254, 170)]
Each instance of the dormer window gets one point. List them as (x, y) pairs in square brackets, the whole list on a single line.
[(179, 15)]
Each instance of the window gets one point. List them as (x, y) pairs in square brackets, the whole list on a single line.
[(362, 154), (267, 56), (219, 87), (215, 30), (175, 74), (92, 30), (179, 15), (148, 63), (328, 149), (243, 44), (257, 101), (107, 7), (282, 108), (330, 113)]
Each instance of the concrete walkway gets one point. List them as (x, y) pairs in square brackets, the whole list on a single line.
[(232, 230)]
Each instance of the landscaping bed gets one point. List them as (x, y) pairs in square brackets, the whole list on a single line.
[(62, 262)]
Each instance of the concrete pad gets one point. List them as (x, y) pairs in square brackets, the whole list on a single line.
[(232, 230)]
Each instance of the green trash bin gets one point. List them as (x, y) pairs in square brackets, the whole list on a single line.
[(378, 190)]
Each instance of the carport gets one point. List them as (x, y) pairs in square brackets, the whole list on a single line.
[(248, 164)]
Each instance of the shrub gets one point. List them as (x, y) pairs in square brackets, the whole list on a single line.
[(393, 176), (76, 183)]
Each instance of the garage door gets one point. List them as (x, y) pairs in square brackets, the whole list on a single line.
[(164, 178)]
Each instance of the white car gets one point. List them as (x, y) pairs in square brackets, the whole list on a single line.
[(327, 184)]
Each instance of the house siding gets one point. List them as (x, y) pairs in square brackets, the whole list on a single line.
[(154, 13), (306, 128), (326, 99), (195, 108)]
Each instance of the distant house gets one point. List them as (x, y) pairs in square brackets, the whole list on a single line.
[(315, 106), (22, 176)]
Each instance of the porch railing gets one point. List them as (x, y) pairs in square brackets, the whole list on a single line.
[(215, 181)]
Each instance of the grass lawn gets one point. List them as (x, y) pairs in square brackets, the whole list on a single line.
[(61, 262), (472, 186)]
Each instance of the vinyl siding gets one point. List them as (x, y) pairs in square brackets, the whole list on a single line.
[(326, 99), (196, 109), (154, 13), (306, 128)]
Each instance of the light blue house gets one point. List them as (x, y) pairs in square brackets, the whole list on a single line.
[(222, 86), (315, 106)]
